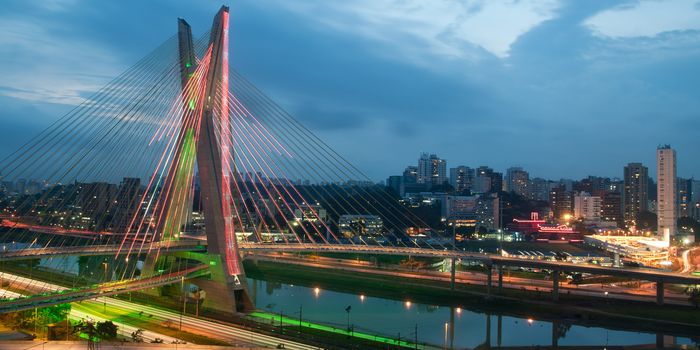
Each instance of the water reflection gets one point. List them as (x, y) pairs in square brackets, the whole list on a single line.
[(436, 325)]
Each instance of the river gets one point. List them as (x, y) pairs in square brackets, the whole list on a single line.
[(436, 325)]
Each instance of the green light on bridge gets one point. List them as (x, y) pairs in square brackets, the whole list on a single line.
[(212, 263)]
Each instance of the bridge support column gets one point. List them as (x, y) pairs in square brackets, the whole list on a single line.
[(500, 278), (489, 272), (660, 292), (452, 273), (555, 285)]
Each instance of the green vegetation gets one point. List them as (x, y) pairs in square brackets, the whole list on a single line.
[(146, 321), (694, 296), (36, 319), (346, 332)]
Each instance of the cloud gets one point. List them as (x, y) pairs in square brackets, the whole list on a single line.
[(418, 29), (55, 67), (646, 18)]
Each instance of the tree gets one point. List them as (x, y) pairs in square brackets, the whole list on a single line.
[(137, 336), (55, 313), (88, 329), (646, 220), (106, 330), (689, 225), (694, 296)]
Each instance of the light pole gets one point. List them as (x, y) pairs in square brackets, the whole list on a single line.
[(105, 281), (500, 241), (347, 309), (446, 328), (184, 303), (300, 311)]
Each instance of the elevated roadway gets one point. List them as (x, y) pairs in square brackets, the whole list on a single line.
[(491, 261)]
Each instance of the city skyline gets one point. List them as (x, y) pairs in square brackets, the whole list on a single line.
[(606, 85), (252, 206)]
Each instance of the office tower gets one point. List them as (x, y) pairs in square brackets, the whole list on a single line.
[(611, 208), (127, 203), (432, 170), (587, 207), (666, 203), (410, 175), (488, 180), (518, 181), (635, 193), (683, 195), (560, 201), (461, 178)]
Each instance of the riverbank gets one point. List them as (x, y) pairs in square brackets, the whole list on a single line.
[(587, 311)]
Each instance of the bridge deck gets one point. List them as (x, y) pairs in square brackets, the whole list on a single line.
[(107, 289), (487, 259)]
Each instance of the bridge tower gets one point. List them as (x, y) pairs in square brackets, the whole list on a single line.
[(225, 289), (228, 292)]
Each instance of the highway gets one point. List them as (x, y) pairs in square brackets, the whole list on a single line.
[(688, 266), (614, 291), (101, 290), (487, 259), (211, 329), (105, 249)]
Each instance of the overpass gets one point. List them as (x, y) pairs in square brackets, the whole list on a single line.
[(491, 261), (101, 290), (93, 250)]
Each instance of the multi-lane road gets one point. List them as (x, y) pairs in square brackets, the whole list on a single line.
[(215, 330), (644, 292)]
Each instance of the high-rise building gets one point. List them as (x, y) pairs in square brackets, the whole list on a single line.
[(432, 170), (540, 188), (395, 182), (666, 202), (127, 203), (560, 202), (612, 208), (596, 186), (695, 190), (410, 175), (635, 193), (495, 180), (518, 181), (481, 184), (461, 178), (587, 207), (458, 207), (683, 195)]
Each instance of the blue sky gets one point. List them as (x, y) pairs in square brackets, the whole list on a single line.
[(561, 88)]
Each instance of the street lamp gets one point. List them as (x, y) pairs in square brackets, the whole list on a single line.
[(447, 325), (105, 281), (500, 241), (347, 309)]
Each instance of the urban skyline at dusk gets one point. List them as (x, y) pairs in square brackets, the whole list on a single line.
[(372, 174), (566, 90)]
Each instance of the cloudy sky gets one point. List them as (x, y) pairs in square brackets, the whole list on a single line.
[(561, 88)]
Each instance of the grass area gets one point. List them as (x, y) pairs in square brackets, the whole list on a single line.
[(266, 316), (515, 302)]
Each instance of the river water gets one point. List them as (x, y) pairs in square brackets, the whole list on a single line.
[(437, 325)]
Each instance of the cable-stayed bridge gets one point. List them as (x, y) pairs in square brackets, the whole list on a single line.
[(207, 167), (181, 144)]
